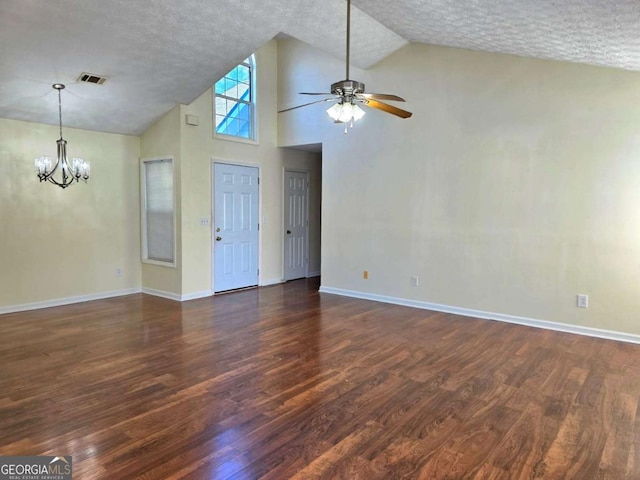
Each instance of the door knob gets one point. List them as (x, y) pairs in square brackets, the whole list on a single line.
[(218, 239), (288, 232)]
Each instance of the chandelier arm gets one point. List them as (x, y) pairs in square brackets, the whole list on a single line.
[(60, 184), (55, 182), (49, 175), (60, 159), (66, 179)]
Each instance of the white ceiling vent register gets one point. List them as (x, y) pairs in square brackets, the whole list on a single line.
[(91, 78)]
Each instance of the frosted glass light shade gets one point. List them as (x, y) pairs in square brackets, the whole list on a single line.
[(345, 112), (334, 111)]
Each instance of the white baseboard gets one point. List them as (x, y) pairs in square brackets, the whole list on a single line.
[(175, 296), (313, 274), (196, 295), (273, 281), (530, 322), (67, 301), (161, 293)]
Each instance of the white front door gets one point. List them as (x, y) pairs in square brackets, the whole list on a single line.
[(296, 223), (235, 227)]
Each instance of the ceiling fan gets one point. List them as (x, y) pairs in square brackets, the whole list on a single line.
[(348, 94)]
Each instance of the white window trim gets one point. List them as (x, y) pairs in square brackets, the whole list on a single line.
[(143, 212), (254, 110)]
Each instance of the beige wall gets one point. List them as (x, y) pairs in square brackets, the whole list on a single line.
[(514, 187), (162, 139), (55, 243), (195, 148), (98, 225)]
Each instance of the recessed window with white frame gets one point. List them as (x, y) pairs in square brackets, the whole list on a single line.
[(234, 102), (158, 211)]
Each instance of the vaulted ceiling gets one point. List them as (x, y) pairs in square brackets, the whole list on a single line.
[(158, 53)]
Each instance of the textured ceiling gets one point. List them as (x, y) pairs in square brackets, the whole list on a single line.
[(154, 53), (597, 32), (157, 53)]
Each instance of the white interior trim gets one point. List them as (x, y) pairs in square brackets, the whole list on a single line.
[(196, 295), (177, 297), (467, 312), (162, 293), (67, 301), (143, 213), (240, 163)]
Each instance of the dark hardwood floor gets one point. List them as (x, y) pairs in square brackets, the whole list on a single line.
[(283, 382)]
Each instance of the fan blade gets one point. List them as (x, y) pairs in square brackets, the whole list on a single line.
[(388, 108), (306, 104), (382, 96), (316, 93)]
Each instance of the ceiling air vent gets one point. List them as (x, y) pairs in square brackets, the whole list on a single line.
[(91, 78)]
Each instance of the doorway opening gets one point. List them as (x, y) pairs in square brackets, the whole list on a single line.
[(301, 215)]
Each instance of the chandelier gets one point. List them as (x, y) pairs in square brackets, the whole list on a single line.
[(76, 170)]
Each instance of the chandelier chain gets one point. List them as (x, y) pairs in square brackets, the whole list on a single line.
[(60, 112)]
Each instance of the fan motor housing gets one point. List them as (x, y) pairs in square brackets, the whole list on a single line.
[(347, 87)]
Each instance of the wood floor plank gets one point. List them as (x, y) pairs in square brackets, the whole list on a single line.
[(283, 382)]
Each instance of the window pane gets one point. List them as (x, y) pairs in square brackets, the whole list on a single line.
[(244, 112), (232, 117), (224, 109), (231, 88), (232, 108), (233, 127), (223, 125), (243, 73), (243, 92), (244, 129), (221, 106)]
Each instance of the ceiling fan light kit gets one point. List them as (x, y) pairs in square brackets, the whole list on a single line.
[(345, 112), (349, 93)]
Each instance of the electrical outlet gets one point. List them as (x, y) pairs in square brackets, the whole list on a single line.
[(415, 281), (118, 272), (583, 301), (365, 274)]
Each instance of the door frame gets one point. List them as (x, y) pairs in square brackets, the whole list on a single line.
[(284, 202), (212, 176)]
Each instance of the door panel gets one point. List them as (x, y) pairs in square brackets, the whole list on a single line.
[(235, 245), (296, 224)]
